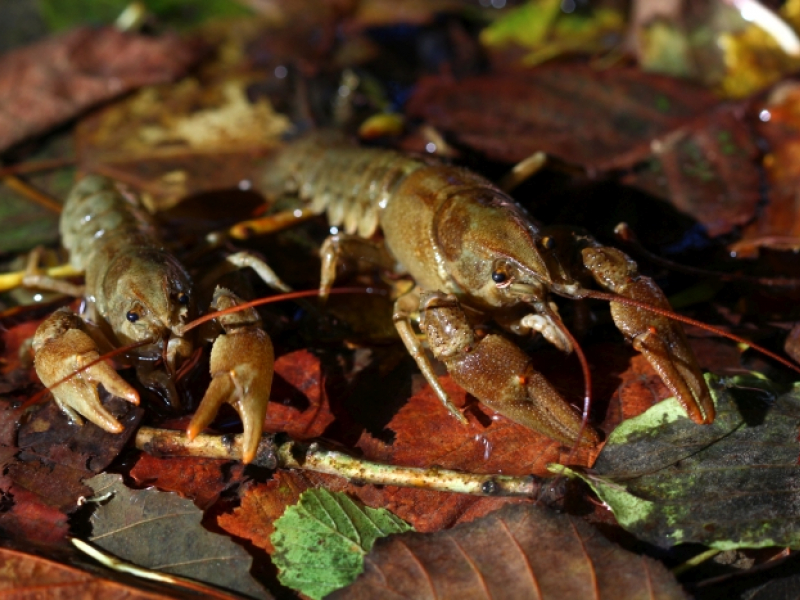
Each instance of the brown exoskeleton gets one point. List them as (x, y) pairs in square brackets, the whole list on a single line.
[(469, 246), (137, 294)]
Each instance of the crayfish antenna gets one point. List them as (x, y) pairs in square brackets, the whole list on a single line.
[(270, 299)]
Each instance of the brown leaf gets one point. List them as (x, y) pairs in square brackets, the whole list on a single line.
[(517, 552), (202, 480), (28, 576), (708, 170), (49, 434), (52, 81), (597, 119)]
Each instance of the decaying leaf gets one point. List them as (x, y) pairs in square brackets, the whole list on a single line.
[(52, 81), (162, 531), (29, 576), (597, 119), (200, 480), (728, 485), (320, 542), (517, 552)]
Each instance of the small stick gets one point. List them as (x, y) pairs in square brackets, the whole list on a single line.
[(9, 281), (315, 457), (36, 166), (31, 193)]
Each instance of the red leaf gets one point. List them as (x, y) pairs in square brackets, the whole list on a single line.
[(302, 371), (202, 480)]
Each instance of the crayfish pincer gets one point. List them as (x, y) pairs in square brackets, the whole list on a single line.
[(138, 296), (470, 246)]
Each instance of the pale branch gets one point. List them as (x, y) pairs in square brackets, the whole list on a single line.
[(290, 454)]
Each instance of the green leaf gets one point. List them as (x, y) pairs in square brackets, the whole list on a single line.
[(527, 25), (321, 541), (732, 484), (181, 14)]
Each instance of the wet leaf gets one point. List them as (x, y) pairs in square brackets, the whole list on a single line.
[(320, 543), (201, 134), (47, 83), (161, 531), (597, 119), (298, 372), (517, 552), (708, 170), (29, 576), (778, 223), (728, 485)]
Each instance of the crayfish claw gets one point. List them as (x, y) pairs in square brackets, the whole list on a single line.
[(242, 362), (67, 362), (676, 371), (499, 373), (660, 339)]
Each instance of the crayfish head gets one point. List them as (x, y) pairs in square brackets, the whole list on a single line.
[(146, 295), (494, 253)]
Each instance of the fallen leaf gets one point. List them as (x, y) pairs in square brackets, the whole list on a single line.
[(426, 434), (597, 119), (726, 485), (49, 82), (707, 170), (261, 506), (321, 541), (26, 576), (517, 552), (302, 372), (162, 531), (201, 480)]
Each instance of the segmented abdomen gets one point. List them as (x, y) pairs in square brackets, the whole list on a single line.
[(98, 217), (353, 185)]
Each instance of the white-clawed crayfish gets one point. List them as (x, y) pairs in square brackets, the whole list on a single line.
[(469, 247), (139, 296)]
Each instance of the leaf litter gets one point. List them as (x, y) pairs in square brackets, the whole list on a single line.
[(706, 155)]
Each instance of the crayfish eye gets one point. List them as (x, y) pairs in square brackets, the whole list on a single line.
[(548, 242), (499, 276), (183, 298), (132, 316)]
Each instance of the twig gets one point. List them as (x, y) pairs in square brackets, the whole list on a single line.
[(31, 193), (314, 456)]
